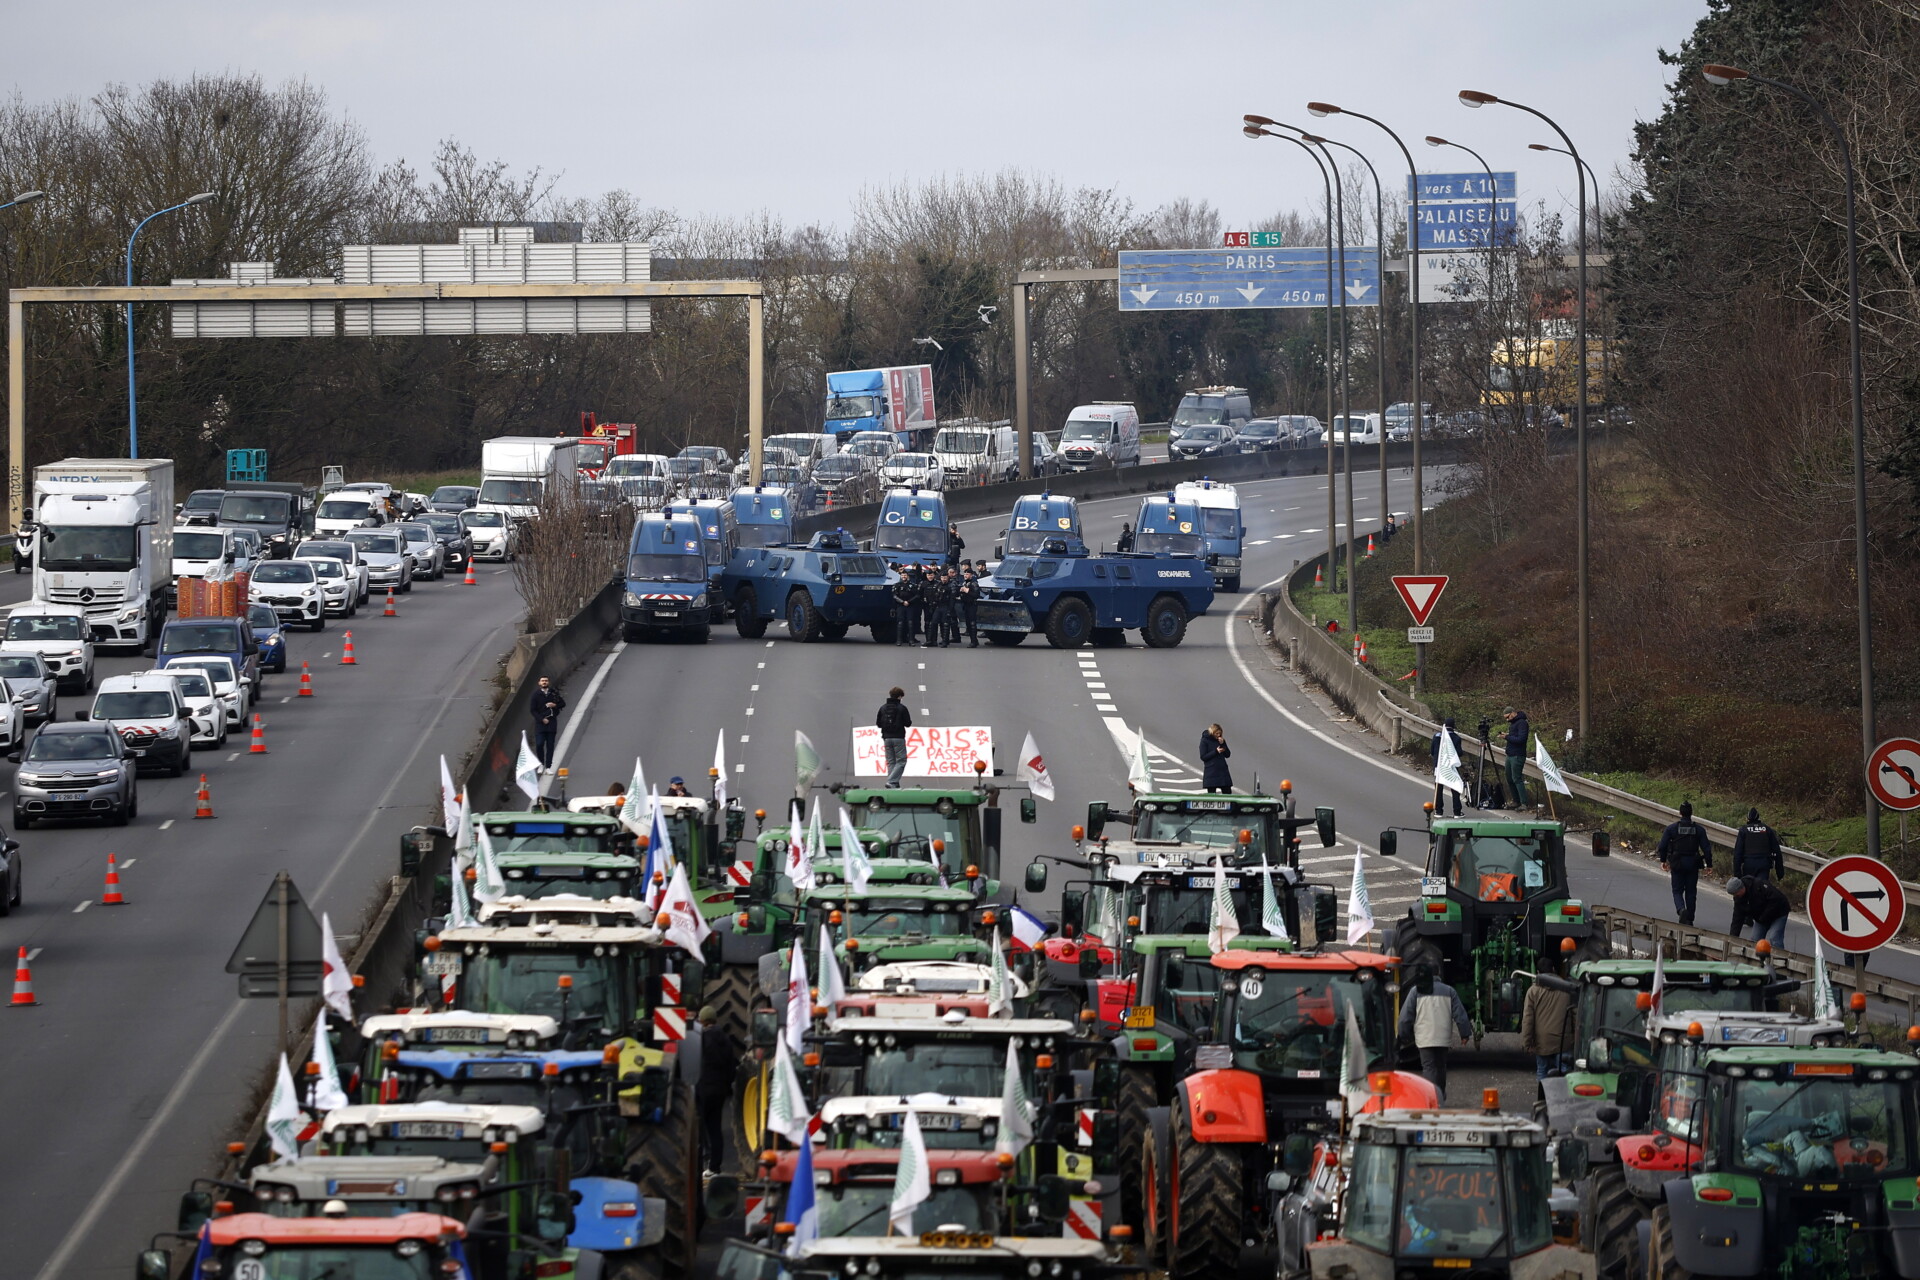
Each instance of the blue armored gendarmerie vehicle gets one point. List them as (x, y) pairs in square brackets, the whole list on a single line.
[(821, 589), (1078, 599)]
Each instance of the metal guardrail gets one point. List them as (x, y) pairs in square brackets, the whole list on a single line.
[(1691, 942)]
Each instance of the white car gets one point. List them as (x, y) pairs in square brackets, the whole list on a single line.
[(292, 590), (339, 588), (340, 511), (203, 704), (236, 696), (492, 532), (347, 554), (58, 633), (913, 469), (628, 465), (28, 678)]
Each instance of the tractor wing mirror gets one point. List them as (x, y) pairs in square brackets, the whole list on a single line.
[(1036, 876), (693, 980), (1389, 843), (766, 1028), (1570, 1159), (1090, 962), (1073, 910), (1053, 1197), (553, 1215), (195, 1208), (1029, 811), (1096, 819), (722, 1196), (414, 847), (154, 1265), (1602, 844), (1323, 824)]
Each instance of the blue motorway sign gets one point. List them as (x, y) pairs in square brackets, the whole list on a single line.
[(1465, 186), (1241, 279), (1464, 225)]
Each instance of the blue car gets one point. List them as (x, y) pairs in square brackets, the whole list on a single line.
[(270, 634)]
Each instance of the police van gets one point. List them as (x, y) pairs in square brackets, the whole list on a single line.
[(1221, 527), (764, 515), (667, 581), (912, 527), (1037, 519)]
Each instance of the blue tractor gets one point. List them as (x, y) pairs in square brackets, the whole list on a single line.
[(821, 589), (912, 528), (1036, 518), (765, 514), (667, 590), (1078, 599)]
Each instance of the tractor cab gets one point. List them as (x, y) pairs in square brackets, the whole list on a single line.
[(385, 1035), (884, 1056), (242, 1246), (1285, 1016), (852, 1189), (1246, 830), (702, 836), (901, 922), (965, 823)]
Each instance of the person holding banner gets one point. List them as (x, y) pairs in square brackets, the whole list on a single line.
[(893, 720), (1440, 789)]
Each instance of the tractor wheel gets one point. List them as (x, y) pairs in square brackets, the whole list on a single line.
[(1166, 623), (664, 1159), (746, 614), (803, 620), (730, 992), (1205, 1195), (749, 1116), (1137, 1094), (1069, 623), (1609, 1220), (1005, 639), (1156, 1216), (1661, 1262)]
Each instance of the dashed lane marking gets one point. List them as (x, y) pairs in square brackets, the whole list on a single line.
[(85, 903), (759, 664), (743, 739), (166, 824), (126, 862), (1096, 684), (749, 710), (33, 955), (233, 757)]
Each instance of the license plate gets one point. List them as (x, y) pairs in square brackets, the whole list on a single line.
[(1449, 1138), (1211, 805), (429, 1129), (1206, 882), (1433, 886), (946, 1123), (442, 965), (136, 751), (1141, 1017), (69, 795), (457, 1035)]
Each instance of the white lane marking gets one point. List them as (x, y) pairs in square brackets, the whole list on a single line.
[(288, 698), (1293, 508), (925, 712), (586, 700), (233, 757), (1084, 653), (923, 688), (33, 955), (743, 739), (83, 906), (759, 664), (741, 767), (1246, 673), (921, 665), (1096, 684), (166, 824), (769, 644), (749, 710), (754, 689), (127, 862)]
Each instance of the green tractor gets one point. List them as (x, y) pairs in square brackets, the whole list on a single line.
[(1805, 1170), (1253, 828), (1494, 900)]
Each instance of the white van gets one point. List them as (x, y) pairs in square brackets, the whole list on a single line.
[(1105, 433), (342, 510), (975, 452), (198, 551), (1365, 429), (626, 466)]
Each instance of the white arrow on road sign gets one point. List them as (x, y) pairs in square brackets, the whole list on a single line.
[(1358, 291), (1249, 292), (1144, 296)]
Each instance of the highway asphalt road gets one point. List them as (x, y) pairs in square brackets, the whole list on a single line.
[(140, 1060)]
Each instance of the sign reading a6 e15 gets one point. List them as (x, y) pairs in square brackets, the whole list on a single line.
[(1251, 240)]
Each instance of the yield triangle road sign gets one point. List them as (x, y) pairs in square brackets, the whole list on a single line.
[(1420, 592)]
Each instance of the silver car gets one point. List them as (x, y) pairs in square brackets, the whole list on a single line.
[(32, 683), (347, 554), (80, 769), (389, 567), (429, 554)]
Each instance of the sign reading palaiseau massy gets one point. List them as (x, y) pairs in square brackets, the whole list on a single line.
[(932, 751)]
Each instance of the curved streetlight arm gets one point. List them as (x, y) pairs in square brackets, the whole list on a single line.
[(25, 197), (133, 407)]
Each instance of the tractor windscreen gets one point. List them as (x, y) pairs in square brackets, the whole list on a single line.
[(1500, 868), (598, 883), (1820, 1128), (899, 919), (1185, 990), (1215, 830), (1452, 1201), (976, 1070), (1294, 1020), (529, 982), (861, 1209), (560, 839), (911, 833), (333, 1261), (1188, 908), (1616, 1014)]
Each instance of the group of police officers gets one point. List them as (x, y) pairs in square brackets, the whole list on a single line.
[(931, 603)]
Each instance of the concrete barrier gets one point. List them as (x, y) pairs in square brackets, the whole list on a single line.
[(1329, 661)]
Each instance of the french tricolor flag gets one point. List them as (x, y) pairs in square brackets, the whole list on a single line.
[(1028, 929)]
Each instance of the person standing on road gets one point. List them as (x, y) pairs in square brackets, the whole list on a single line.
[(1518, 731), (955, 543), (1756, 850), (903, 609), (1213, 755), (970, 606), (546, 704), (1685, 852), (954, 596), (1431, 1018), (1440, 791), (937, 601), (719, 1057), (1546, 1027), (1760, 906), (893, 720)]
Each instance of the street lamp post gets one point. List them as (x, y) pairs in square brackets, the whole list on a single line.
[(1474, 98), (25, 197), (1722, 75), (1599, 231), (1254, 129), (133, 413), (17, 380), (1493, 222)]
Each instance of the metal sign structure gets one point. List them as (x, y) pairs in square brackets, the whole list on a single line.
[(1252, 239), (1458, 209), (1856, 904), (1420, 592), (1893, 774), (1242, 279)]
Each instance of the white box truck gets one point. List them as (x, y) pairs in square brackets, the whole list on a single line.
[(103, 543), (516, 470)]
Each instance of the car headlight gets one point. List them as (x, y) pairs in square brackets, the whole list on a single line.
[(272, 640), (700, 601), (631, 600), (128, 615), (107, 775)]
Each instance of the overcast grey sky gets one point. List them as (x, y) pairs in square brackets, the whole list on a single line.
[(731, 106)]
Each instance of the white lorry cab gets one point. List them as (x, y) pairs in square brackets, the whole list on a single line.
[(1105, 433)]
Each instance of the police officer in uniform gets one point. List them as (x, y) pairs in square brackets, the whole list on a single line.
[(1685, 852), (955, 543), (938, 599), (903, 608), (1756, 851), (970, 605)]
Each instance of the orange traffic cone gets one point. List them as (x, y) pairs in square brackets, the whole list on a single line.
[(306, 682), (1363, 651), (110, 896), (259, 745), (22, 981), (346, 654), (393, 612), (1317, 579), (203, 801), (469, 580), (1369, 546)]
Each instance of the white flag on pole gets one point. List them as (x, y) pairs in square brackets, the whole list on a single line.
[(806, 761), (1353, 1067), (1016, 1110), (460, 915), (720, 771), (853, 855), (463, 834), (1446, 769), (1359, 904), (336, 984), (816, 840), (488, 884), (787, 1112), (911, 1184), (327, 1094), (1272, 919), (685, 927), (285, 1120), (1033, 770), (1825, 1003), (799, 862), (799, 1000), (1659, 986), (526, 770), (1549, 773), (1139, 769), (833, 988), (633, 810), (999, 981), (449, 799), (1226, 925)]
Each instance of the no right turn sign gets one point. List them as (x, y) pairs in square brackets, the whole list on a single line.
[(1856, 904)]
